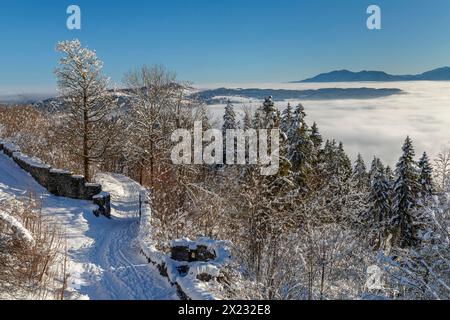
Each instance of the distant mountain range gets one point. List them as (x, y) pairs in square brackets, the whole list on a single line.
[(218, 96), (440, 74), (23, 98), (122, 97)]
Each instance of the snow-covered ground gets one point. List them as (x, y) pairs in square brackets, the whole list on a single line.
[(104, 263)]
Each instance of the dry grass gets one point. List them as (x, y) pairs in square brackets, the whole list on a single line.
[(32, 271)]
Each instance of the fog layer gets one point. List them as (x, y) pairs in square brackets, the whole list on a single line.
[(375, 126)]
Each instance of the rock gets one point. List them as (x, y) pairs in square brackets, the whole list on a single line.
[(103, 201), (180, 253)]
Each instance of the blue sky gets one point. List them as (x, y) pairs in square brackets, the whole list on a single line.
[(208, 41)]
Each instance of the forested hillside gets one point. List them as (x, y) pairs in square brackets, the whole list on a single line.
[(322, 227)]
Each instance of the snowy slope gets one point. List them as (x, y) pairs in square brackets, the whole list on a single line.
[(104, 264)]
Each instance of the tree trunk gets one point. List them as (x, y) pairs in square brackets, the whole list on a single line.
[(322, 281), (151, 163), (141, 172), (85, 141)]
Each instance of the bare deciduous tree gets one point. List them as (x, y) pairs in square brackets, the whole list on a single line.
[(442, 170), (156, 97), (90, 105)]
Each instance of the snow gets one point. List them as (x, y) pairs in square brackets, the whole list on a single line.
[(127, 193), (10, 147), (101, 195), (194, 289), (104, 262), (60, 171), (34, 162), (20, 231)]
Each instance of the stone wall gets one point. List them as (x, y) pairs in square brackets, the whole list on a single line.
[(191, 252), (193, 266), (61, 183)]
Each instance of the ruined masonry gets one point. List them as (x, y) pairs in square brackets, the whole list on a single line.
[(60, 182)]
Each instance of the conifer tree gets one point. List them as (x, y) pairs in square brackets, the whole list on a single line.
[(270, 115), (390, 176), (286, 118), (265, 196), (316, 137), (329, 159), (360, 176), (345, 164), (376, 166), (335, 164), (301, 155), (247, 122), (257, 121), (229, 118), (298, 120), (229, 123), (426, 177), (406, 195), (300, 148), (267, 116), (379, 213)]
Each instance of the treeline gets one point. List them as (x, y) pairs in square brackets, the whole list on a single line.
[(338, 217)]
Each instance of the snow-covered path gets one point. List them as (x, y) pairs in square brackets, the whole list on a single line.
[(104, 264)]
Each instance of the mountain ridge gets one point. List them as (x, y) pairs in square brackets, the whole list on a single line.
[(439, 74), (122, 97)]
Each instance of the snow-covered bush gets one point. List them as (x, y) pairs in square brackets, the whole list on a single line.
[(38, 135), (197, 279), (20, 234), (422, 272), (32, 255)]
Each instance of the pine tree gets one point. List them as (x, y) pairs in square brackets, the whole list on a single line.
[(202, 115), (345, 164), (406, 195), (257, 121), (300, 148), (376, 166), (298, 120), (329, 159), (334, 163), (379, 214), (426, 177), (360, 176), (316, 137), (301, 155), (390, 176), (267, 116), (265, 196), (270, 115), (247, 121), (286, 118), (229, 123), (299, 113), (229, 118)]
